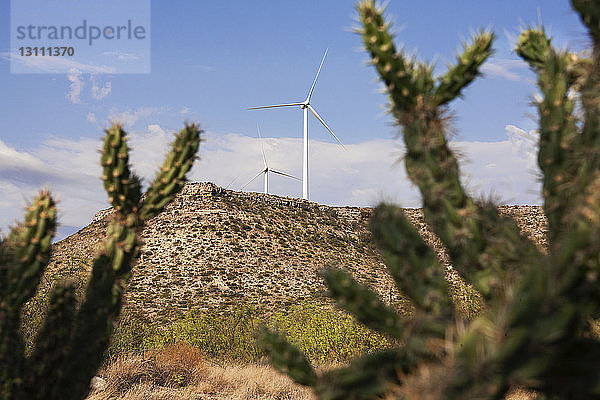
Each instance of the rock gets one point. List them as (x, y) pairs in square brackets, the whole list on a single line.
[(98, 384)]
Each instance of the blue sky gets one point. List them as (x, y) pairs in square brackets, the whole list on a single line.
[(212, 60)]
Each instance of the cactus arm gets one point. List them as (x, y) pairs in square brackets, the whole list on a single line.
[(576, 267), (171, 176), (553, 306), (534, 331), (534, 47), (111, 270), (466, 68), (588, 71), (559, 138), (366, 377), (394, 67), (465, 228), (558, 143), (96, 316), (363, 303), (11, 344), (287, 358), (471, 232), (589, 12), (50, 358), (122, 187), (31, 242), (25, 254), (411, 262), (582, 221), (70, 345), (570, 162)]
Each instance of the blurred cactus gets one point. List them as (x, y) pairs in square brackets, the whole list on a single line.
[(70, 344), (536, 329)]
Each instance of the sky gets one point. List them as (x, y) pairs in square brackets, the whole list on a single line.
[(208, 62)]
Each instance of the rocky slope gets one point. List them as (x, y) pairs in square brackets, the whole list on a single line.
[(214, 248)]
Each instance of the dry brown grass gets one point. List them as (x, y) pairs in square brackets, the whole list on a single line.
[(253, 381), (520, 394), (180, 372), (155, 375)]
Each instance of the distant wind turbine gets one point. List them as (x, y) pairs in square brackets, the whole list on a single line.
[(266, 170), (305, 106)]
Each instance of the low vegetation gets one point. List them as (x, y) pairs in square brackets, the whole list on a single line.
[(181, 372), (210, 353), (325, 335), (217, 355)]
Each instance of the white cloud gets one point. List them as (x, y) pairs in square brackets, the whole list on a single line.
[(91, 117), (100, 92), (68, 168), (75, 77), (11, 159), (185, 111), (56, 65), (78, 80), (531, 136), (130, 117), (121, 55), (505, 68), (156, 130), (363, 175)]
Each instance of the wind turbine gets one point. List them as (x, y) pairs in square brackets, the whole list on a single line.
[(266, 170), (305, 106)]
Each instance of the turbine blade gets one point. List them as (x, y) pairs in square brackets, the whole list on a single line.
[(255, 176), (284, 174), (325, 125), (261, 146), (277, 105), (316, 77), (231, 183)]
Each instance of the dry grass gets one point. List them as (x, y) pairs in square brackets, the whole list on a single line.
[(253, 381), (180, 372), (519, 394)]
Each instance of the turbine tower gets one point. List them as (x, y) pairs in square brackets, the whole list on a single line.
[(266, 170), (305, 106)]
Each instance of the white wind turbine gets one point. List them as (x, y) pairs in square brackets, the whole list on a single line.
[(266, 170), (305, 106)]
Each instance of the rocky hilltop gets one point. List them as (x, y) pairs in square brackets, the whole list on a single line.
[(214, 248)]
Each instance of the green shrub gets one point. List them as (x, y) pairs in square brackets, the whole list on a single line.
[(325, 335)]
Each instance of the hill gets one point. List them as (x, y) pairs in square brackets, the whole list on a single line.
[(214, 248)]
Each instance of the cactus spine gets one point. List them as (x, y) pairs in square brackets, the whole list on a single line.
[(534, 330), (71, 343)]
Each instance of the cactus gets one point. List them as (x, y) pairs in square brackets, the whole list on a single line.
[(536, 327), (69, 346)]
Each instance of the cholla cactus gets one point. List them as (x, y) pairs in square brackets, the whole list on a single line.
[(71, 343), (535, 328)]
